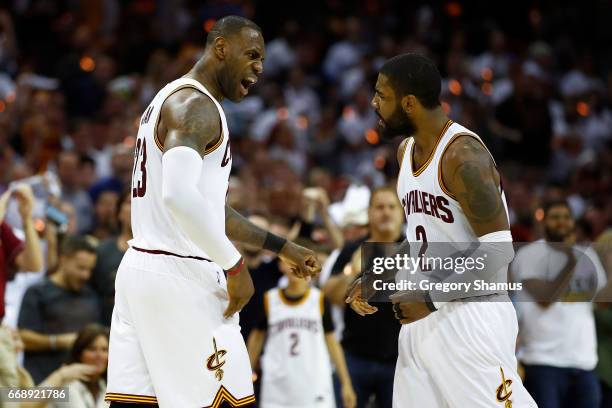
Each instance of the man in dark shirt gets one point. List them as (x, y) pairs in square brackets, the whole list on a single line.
[(370, 343), (110, 253), (53, 311)]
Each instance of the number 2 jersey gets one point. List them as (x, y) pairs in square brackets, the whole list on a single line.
[(152, 225), (432, 213), (296, 364)]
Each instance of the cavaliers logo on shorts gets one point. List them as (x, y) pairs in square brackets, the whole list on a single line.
[(214, 362), (503, 391)]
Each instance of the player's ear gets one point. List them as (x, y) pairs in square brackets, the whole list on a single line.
[(220, 47), (409, 103)]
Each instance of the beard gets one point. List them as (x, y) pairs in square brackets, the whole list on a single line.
[(397, 124), (554, 236)]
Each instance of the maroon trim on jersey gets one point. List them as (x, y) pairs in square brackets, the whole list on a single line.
[(160, 252)]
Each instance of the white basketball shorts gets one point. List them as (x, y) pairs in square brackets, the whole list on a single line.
[(462, 355), (170, 344)]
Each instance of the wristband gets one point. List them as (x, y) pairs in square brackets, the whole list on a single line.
[(53, 342), (429, 303), (274, 243), (235, 270)]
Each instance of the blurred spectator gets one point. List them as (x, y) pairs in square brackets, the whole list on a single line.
[(109, 255), (370, 344), (68, 170), (105, 223), (83, 375), (301, 98), (523, 120), (558, 340), (16, 255), (53, 311), (90, 349), (345, 53), (315, 204)]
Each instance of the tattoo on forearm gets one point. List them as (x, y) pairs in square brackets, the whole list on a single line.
[(481, 195), (240, 229)]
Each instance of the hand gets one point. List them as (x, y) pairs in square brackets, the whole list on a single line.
[(302, 261), (25, 197), (77, 371), (349, 399), (4, 199), (239, 289), (357, 302), (322, 200), (409, 309)]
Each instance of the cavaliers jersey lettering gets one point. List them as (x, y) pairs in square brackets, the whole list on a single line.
[(421, 202), (311, 325), (152, 225), (432, 213), (296, 368)]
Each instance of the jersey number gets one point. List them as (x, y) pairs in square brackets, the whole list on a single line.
[(139, 181), (421, 236), (295, 340)]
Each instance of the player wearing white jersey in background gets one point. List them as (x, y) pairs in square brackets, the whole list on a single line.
[(175, 339), (454, 354), (297, 331)]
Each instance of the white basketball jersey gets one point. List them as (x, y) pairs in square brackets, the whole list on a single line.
[(432, 212), (152, 225), (296, 367)]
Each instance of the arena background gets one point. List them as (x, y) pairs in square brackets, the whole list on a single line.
[(533, 79)]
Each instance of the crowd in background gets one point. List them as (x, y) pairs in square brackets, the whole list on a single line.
[(534, 81)]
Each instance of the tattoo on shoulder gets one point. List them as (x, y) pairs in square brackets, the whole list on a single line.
[(195, 122), (481, 194)]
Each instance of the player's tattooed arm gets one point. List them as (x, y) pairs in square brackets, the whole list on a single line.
[(239, 229), (469, 173), (189, 118), (303, 261)]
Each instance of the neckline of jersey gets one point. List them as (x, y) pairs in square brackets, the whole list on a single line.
[(293, 302), (421, 169)]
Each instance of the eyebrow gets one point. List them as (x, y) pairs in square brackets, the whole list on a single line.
[(256, 50)]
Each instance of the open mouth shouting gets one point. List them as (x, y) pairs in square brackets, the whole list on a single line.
[(246, 83)]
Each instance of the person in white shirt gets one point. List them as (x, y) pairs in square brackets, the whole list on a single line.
[(558, 345), (90, 348), (84, 376)]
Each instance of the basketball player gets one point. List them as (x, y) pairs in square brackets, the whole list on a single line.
[(452, 354), (299, 339), (175, 339)]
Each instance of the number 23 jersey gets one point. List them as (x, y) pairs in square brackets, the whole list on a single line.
[(432, 213), (152, 225)]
